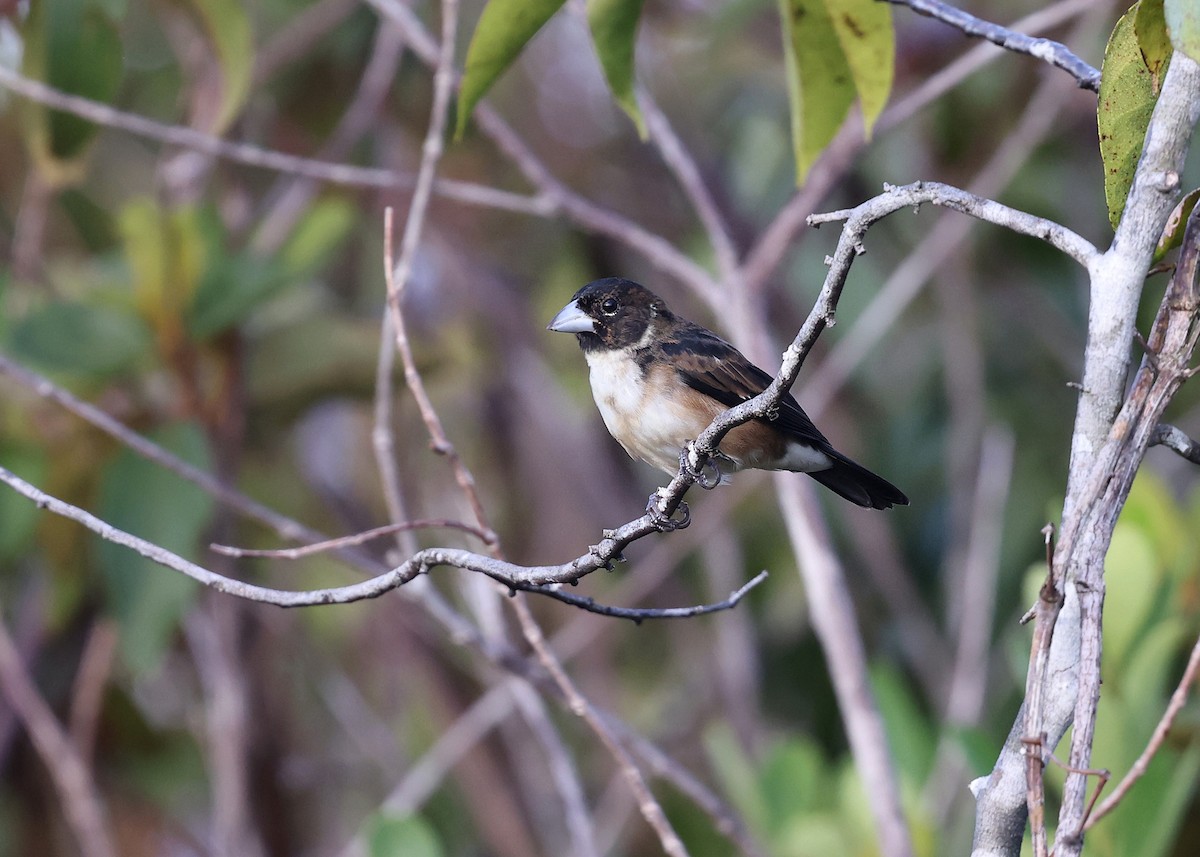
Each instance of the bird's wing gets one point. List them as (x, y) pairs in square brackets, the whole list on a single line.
[(710, 365)]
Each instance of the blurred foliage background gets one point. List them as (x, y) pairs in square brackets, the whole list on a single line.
[(232, 315)]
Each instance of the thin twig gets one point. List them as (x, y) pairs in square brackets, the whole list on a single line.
[(981, 208), (1047, 50), (396, 277), (683, 166), (640, 614), (255, 156), (352, 540), (579, 705), (1049, 606), (80, 800), (87, 694), (1178, 699)]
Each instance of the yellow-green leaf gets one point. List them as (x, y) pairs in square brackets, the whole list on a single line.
[(614, 32), (227, 26), (166, 253), (1172, 235), (502, 32), (864, 31), (1183, 24), (1150, 25), (820, 84), (1123, 112)]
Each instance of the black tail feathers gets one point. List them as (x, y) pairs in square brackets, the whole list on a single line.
[(851, 480)]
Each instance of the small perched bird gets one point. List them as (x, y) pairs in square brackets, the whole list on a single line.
[(659, 380)]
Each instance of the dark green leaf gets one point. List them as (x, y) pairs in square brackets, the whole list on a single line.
[(820, 84), (1123, 113), (93, 222), (614, 32), (500, 36), (232, 286), (148, 501), (78, 339), (1183, 23), (1150, 25), (75, 47)]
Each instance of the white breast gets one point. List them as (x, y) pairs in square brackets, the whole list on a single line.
[(653, 432), (617, 388)]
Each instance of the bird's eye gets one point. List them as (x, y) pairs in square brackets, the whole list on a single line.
[(608, 306)]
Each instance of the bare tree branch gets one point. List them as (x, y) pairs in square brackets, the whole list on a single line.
[(1175, 439), (254, 156), (1048, 51)]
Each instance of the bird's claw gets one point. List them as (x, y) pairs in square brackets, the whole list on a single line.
[(668, 523), (699, 475)]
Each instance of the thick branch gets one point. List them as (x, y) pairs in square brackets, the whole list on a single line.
[(1105, 452)]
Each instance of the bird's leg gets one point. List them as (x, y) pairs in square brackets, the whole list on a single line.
[(700, 476), (666, 523)]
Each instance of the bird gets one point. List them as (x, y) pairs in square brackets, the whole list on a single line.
[(659, 380)]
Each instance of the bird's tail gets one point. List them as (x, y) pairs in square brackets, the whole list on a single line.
[(859, 485)]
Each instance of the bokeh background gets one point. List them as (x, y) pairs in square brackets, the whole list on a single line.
[(232, 314)]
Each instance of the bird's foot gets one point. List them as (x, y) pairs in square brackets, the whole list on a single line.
[(668, 523), (708, 475)]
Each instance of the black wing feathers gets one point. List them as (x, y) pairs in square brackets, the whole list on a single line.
[(710, 365)]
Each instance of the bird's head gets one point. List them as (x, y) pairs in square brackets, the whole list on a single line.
[(612, 313)]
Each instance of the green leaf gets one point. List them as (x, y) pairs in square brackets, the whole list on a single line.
[(1146, 676), (148, 501), (78, 339), (228, 28), (820, 84), (1123, 113), (232, 286), (614, 32), (93, 222), (407, 836), (1154, 831), (1132, 575), (502, 32), (910, 734), (73, 46), (793, 776), (1183, 23), (864, 31), (1172, 235), (1150, 26), (19, 516), (736, 773), (322, 228)]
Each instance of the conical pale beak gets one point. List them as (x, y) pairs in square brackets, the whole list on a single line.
[(572, 319)]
